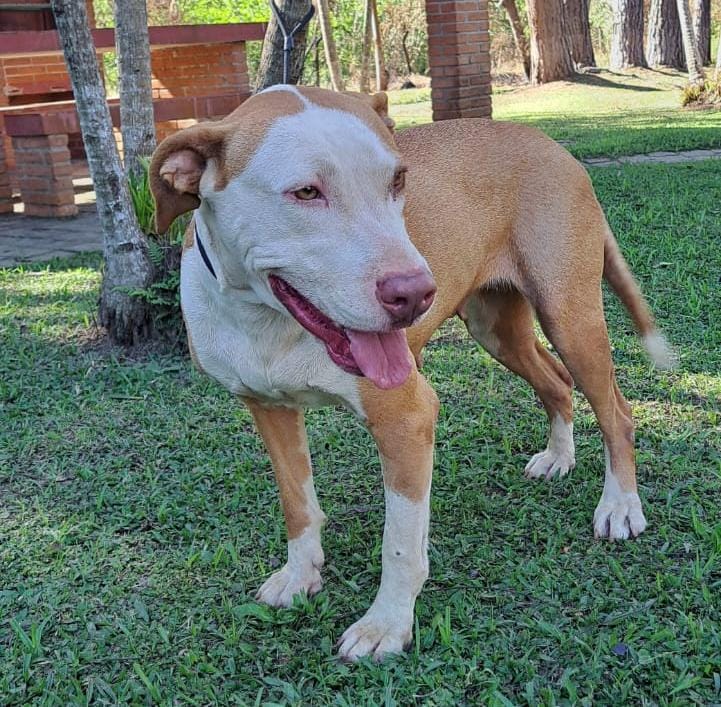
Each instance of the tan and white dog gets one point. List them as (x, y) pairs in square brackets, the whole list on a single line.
[(325, 254)]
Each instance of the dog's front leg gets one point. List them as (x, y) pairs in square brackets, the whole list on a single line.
[(402, 422), (283, 431)]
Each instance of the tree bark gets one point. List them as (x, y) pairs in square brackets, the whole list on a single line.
[(550, 50), (270, 71), (364, 81), (331, 55), (627, 35), (717, 72), (702, 30), (695, 69), (665, 47), (519, 36), (127, 267), (381, 74), (137, 123), (577, 26)]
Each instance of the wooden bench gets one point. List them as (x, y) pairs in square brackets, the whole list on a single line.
[(39, 133)]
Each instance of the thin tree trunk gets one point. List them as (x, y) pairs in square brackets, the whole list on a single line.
[(578, 28), (717, 72), (695, 69), (270, 71), (137, 123), (665, 47), (519, 36), (331, 55), (364, 81), (550, 51), (381, 75), (702, 30), (127, 319), (627, 35)]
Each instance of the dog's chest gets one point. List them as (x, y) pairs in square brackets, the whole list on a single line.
[(254, 351)]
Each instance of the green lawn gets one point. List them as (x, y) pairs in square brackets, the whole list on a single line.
[(138, 513), (599, 114)]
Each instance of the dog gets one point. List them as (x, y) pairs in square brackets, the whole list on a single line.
[(325, 251)]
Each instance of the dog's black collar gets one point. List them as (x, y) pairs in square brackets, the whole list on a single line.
[(203, 253)]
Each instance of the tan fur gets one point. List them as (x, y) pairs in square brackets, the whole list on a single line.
[(402, 422), (283, 431)]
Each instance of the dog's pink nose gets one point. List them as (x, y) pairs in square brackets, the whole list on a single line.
[(405, 296)]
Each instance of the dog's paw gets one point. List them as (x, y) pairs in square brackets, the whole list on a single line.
[(375, 635), (619, 517), (280, 588), (549, 464)]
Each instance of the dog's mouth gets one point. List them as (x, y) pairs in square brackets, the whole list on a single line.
[(382, 357)]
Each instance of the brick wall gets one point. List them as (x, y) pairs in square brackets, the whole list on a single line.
[(6, 204), (194, 70), (459, 56)]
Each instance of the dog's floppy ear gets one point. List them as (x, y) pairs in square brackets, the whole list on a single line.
[(378, 102), (177, 166)]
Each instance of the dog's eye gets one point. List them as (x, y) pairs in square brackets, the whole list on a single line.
[(306, 193), (399, 181)]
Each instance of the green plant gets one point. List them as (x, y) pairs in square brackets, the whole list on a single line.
[(164, 251)]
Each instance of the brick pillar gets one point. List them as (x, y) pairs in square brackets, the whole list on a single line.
[(45, 175), (459, 56), (6, 201)]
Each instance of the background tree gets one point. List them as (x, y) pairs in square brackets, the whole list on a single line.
[(126, 318), (576, 26), (664, 47), (695, 69), (381, 75), (519, 36), (331, 55), (702, 29), (132, 44), (627, 35), (364, 79), (550, 50), (270, 70)]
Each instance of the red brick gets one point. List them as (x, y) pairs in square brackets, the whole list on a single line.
[(45, 211)]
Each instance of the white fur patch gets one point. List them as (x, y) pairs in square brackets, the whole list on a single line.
[(661, 352), (619, 515), (301, 573), (559, 457), (387, 627)]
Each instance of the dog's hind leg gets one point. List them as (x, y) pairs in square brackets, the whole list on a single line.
[(501, 320), (283, 431), (575, 324), (402, 422)]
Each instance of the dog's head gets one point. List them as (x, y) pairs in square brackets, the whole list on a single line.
[(301, 193)]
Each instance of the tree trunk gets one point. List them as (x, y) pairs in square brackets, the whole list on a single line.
[(270, 71), (627, 35), (137, 123), (695, 69), (364, 81), (127, 319), (664, 35), (381, 74), (331, 55), (550, 50), (702, 30), (578, 29), (519, 36)]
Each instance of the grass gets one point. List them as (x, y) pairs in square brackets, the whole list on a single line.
[(138, 513), (598, 114)]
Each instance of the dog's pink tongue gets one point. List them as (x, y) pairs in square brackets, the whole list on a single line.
[(383, 358)]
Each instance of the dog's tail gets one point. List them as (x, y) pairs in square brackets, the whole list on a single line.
[(618, 275)]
